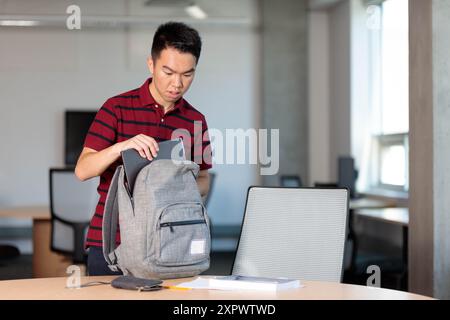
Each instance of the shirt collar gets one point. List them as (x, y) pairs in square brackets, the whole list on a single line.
[(148, 100)]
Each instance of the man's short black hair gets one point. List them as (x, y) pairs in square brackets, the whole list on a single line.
[(179, 36)]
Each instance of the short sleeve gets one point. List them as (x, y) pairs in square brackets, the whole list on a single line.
[(103, 130), (202, 154)]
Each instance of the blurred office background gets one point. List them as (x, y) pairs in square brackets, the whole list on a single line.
[(332, 75)]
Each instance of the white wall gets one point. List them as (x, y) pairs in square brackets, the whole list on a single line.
[(340, 88), (329, 89), (284, 82), (319, 97), (44, 71)]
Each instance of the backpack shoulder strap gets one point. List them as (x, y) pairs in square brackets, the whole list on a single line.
[(110, 221)]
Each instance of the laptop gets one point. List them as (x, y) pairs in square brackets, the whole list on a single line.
[(133, 162)]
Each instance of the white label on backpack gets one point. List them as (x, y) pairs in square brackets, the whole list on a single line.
[(197, 246)]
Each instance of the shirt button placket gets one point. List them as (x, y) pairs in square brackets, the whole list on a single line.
[(158, 112)]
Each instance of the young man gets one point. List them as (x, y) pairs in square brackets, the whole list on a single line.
[(140, 118)]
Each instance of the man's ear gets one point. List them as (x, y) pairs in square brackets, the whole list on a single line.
[(150, 64)]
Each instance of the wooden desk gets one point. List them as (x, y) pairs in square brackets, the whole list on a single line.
[(54, 289), (367, 203), (399, 216), (396, 216), (26, 212), (45, 262), (355, 205)]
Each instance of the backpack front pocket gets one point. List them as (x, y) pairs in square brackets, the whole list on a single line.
[(183, 236)]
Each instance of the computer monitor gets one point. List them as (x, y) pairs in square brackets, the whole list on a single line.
[(77, 125)]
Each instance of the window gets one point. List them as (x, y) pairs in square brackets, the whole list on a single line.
[(389, 96), (393, 161)]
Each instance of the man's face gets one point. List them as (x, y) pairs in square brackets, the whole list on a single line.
[(173, 73)]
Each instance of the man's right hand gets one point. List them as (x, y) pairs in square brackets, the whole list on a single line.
[(92, 163), (145, 145)]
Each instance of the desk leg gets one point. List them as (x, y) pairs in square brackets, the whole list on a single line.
[(45, 262), (404, 278)]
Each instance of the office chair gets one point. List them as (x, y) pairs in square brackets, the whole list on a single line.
[(212, 180), (8, 252), (294, 181), (294, 233), (72, 204), (352, 242)]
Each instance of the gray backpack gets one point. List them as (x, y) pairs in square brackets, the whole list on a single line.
[(164, 227)]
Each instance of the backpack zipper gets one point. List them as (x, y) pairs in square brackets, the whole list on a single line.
[(180, 223), (130, 195)]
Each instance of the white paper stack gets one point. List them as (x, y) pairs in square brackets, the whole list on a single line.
[(242, 283)]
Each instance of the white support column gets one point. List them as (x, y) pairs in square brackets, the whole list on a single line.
[(429, 235)]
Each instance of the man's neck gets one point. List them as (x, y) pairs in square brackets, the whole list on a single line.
[(159, 100)]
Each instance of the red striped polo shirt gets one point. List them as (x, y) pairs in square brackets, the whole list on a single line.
[(136, 112)]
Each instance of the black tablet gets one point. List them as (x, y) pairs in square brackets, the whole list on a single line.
[(133, 162)]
